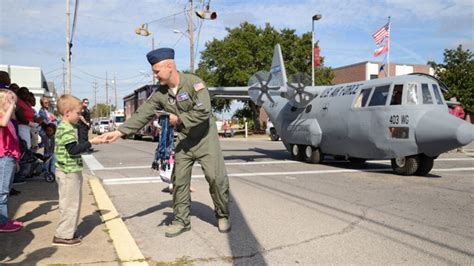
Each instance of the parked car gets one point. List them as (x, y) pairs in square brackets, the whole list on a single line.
[(95, 127), (104, 127), (271, 131)]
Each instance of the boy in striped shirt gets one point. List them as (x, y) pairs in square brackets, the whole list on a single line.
[(69, 170)]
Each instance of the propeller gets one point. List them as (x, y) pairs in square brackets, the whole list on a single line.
[(257, 82), (296, 90)]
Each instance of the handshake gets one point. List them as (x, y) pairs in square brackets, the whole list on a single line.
[(106, 138)]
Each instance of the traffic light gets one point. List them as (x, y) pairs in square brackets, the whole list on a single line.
[(143, 30), (70, 51), (202, 14), (213, 15)]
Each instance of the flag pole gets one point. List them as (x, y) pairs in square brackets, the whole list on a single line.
[(388, 52)]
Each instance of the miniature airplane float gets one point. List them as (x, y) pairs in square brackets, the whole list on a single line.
[(402, 118)]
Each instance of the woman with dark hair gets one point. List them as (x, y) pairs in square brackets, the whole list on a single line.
[(24, 115)]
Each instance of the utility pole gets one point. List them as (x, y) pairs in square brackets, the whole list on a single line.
[(68, 48), (115, 92), (95, 100), (153, 48), (106, 93), (191, 35), (64, 77)]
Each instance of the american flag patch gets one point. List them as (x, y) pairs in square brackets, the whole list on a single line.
[(198, 86), (182, 96)]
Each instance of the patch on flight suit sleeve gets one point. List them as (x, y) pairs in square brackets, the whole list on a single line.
[(198, 86), (182, 96)]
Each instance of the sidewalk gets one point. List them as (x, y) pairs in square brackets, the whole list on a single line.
[(37, 207)]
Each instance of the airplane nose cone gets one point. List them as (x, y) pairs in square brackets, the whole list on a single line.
[(439, 132), (465, 134)]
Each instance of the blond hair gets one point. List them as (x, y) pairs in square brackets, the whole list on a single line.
[(67, 102)]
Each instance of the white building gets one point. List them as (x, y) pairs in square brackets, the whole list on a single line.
[(34, 80)]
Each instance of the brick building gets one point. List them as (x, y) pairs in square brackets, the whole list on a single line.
[(370, 70)]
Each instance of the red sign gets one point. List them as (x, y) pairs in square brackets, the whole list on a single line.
[(317, 56)]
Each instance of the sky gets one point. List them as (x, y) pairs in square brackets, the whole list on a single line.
[(33, 33)]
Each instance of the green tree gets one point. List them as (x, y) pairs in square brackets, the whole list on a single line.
[(457, 72), (247, 49), (102, 110)]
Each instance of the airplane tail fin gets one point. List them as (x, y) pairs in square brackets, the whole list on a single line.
[(278, 68)]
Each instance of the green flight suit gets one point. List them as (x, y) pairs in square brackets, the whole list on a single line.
[(197, 140)]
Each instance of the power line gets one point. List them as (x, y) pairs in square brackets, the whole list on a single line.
[(54, 70), (102, 78), (76, 9), (163, 18)]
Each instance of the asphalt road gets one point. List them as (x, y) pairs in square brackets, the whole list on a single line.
[(287, 212)]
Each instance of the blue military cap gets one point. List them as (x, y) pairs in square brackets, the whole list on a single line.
[(160, 54)]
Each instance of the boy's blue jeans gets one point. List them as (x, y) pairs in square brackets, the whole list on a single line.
[(7, 172)]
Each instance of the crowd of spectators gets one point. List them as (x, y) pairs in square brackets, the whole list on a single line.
[(21, 130)]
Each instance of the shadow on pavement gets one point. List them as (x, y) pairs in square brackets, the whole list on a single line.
[(244, 245), (262, 154), (13, 244), (37, 207)]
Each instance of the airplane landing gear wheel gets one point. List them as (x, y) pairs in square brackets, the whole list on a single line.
[(297, 152), (406, 165), (426, 164), (274, 135), (312, 155)]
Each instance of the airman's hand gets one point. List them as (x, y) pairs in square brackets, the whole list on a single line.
[(111, 136), (173, 119), (97, 140)]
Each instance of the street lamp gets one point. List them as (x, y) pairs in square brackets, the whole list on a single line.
[(191, 50), (143, 31), (315, 17)]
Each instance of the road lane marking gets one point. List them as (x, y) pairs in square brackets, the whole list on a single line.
[(125, 246), (92, 163), (155, 179), (258, 163)]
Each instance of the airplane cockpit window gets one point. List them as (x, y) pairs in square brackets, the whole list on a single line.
[(412, 94), (397, 95), (437, 94), (362, 98), (425, 92), (379, 97)]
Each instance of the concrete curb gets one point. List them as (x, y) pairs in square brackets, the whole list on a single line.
[(125, 246)]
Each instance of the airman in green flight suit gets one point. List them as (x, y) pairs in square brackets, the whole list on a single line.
[(186, 98)]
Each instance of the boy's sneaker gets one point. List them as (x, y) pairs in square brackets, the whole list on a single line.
[(16, 222), (10, 227), (66, 242)]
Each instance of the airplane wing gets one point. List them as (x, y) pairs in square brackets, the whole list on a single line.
[(238, 93)]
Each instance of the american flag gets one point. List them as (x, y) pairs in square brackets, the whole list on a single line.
[(383, 32)]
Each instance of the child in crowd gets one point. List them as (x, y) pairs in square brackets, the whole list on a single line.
[(69, 170), (47, 142), (166, 175), (9, 158)]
